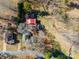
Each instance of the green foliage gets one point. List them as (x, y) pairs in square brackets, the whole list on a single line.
[(61, 57), (66, 1), (27, 6), (55, 53), (47, 54)]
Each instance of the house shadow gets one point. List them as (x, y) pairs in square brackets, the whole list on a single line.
[(14, 34), (15, 37)]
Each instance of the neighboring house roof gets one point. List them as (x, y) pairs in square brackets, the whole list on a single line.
[(31, 21)]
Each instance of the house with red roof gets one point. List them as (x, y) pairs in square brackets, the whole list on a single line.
[(31, 21)]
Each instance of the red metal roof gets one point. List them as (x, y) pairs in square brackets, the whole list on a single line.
[(31, 21)]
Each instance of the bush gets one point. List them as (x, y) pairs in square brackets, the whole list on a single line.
[(47, 54)]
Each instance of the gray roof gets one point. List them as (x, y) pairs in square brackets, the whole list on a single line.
[(22, 28)]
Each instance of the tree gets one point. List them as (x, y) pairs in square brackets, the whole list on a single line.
[(20, 9), (47, 54), (27, 6)]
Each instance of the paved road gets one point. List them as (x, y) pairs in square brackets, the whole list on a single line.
[(25, 52)]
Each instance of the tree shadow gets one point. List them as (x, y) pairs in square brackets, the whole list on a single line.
[(56, 53), (36, 13), (73, 5)]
